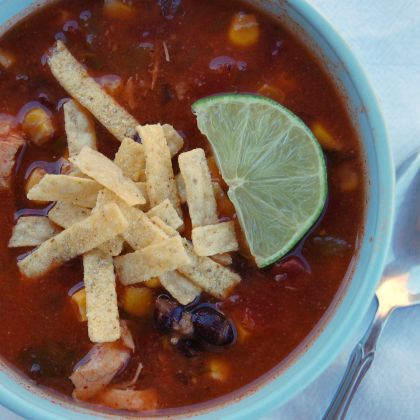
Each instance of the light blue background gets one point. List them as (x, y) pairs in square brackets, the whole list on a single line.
[(385, 37)]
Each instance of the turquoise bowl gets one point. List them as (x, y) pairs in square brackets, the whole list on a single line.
[(353, 301)]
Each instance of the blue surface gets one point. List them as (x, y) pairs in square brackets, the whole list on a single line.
[(366, 272)]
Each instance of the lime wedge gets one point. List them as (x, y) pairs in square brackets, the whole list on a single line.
[(273, 165)]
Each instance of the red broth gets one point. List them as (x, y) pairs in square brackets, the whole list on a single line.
[(274, 309)]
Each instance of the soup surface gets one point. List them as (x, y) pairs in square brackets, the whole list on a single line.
[(156, 58)]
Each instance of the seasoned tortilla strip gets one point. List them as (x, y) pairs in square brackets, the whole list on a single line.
[(115, 245), (108, 174), (101, 297), (141, 231), (179, 287), (168, 230), (167, 213), (67, 214), (70, 189), (80, 129), (214, 239), (182, 192), (207, 274), (73, 77), (159, 173), (200, 195), (32, 231), (130, 158), (142, 186), (152, 261), (76, 240), (222, 259), (173, 139)]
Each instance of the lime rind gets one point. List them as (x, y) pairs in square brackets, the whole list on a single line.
[(265, 160)]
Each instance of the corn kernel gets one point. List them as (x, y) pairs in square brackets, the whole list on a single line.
[(38, 125), (271, 92), (219, 369), (242, 332), (79, 303), (138, 301), (7, 59), (348, 178), (244, 30), (153, 283), (116, 9), (327, 141)]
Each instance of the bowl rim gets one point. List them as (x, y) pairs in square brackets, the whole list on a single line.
[(255, 404)]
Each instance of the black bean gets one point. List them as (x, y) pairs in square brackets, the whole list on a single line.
[(189, 347), (168, 311), (212, 326), (169, 8)]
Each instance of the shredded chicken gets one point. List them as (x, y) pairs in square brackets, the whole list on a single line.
[(166, 50), (185, 325), (130, 93), (154, 70), (132, 381), (128, 399), (11, 139), (97, 369)]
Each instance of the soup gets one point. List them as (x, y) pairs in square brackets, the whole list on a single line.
[(156, 58)]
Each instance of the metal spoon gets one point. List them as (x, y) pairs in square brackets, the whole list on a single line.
[(397, 288)]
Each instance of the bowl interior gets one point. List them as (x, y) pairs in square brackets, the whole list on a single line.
[(350, 307)]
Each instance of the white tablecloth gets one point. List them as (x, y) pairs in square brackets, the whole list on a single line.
[(385, 36)]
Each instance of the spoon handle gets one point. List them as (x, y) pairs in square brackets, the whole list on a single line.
[(360, 361)]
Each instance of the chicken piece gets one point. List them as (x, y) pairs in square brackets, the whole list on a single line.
[(129, 399), (97, 369), (11, 139)]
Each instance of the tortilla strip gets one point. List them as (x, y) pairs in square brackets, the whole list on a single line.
[(167, 213), (173, 139), (32, 231), (222, 259), (159, 173), (207, 274), (142, 186), (214, 239), (179, 287), (152, 261), (76, 240), (108, 174), (141, 231), (66, 214), (182, 191), (168, 230), (130, 158), (101, 297), (73, 77), (80, 129), (200, 196), (115, 245), (70, 189)]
